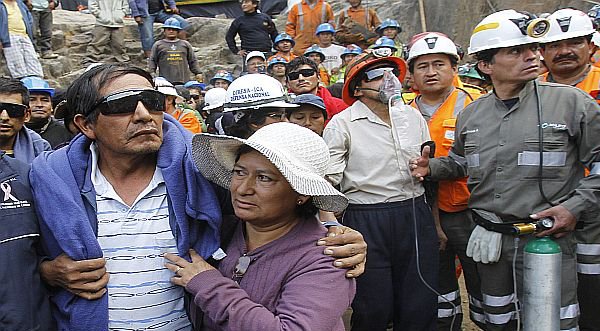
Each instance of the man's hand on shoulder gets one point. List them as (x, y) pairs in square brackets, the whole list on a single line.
[(348, 247), (85, 278)]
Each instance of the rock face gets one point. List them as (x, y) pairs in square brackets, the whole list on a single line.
[(456, 18)]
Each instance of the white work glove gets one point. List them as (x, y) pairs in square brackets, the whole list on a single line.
[(485, 246)]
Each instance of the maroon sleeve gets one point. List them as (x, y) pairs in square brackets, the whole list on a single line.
[(314, 298)]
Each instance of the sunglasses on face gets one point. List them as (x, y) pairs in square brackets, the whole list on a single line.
[(13, 109), (376, 73), (195, 96), (304, 72), (125, 102)]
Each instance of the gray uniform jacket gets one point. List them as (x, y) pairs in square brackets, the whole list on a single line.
[(498, 149)]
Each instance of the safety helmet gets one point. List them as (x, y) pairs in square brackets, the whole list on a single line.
[(357, 66), (351, 49), (324, 27), (165, 87), (37, 85), (275, 60), (284, 36), (221, 74), (507, 28), (255, 54), (385, 42), (388, 23), (468, 70), (255, 91), (594, 14), (315, 49), (171, 23), (432, 43), (194, 84), (214, 98), (568, 23)]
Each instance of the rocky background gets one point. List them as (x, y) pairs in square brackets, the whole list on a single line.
[(456, 18)]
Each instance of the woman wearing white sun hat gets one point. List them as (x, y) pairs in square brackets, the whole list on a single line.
[(274, 277)]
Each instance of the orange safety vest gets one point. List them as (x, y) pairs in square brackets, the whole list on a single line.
[(453, 195), (590, 83), (302, 23)]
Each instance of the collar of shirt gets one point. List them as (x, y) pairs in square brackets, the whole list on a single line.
[(550, 78), (105, 189), (361, 111)]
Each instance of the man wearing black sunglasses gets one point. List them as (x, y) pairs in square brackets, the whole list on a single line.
[(124, 193), (302, 77), (15, 139)]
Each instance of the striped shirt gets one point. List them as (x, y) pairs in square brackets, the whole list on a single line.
[(133, 241)]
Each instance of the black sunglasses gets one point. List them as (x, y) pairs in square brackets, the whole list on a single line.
[(13, 109), (305, 72), (125, 102), (195, 96), (241, 268)]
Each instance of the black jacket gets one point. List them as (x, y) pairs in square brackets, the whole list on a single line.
[(257, 32), (24, 302), (55, 132)]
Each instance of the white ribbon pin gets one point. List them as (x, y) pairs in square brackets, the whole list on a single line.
[(6, 188)]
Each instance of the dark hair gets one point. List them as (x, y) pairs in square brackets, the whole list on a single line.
[(336, 89), (183, 92), (14, 86), (298, 62), (453, 63), (305, 210), (486, 56), (84, 93), (241, 128)]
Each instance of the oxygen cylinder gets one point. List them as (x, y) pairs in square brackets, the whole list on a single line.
[(541, 285)]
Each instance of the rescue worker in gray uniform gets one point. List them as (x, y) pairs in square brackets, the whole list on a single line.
[(497, 144)]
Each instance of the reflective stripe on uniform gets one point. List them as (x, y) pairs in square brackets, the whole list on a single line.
[(449, 312), (551, 159), (323, 12), (473, 160), (300, 16), (595, 170), (475, 302), (570, 311), (500, 319), (588, 249), (494, 301), (572, 329), (477, 317), (449, 297), (460, 103), (588, 269)]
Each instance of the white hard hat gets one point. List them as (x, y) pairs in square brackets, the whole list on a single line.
[(596, 38), (507, 28), (255, 54), (568, 23), (214, 98), (165, 87), (432, 43), (254, 91)]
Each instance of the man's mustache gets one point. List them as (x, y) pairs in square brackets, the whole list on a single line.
[(566, 57)]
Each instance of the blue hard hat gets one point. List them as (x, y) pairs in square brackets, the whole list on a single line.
[(36, 84), (385, 42), (221, 74), (351, 49), (172, 23), (388, 23), (315, 49), (594, 14), (284, 36), (195, 84), (325, 27), (277, 59)]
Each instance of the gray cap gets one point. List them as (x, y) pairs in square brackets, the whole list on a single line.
[(310, 99)]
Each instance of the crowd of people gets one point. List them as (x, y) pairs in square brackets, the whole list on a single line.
[(342, 168)]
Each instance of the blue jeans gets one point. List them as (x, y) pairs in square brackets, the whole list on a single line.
[(147, 27)]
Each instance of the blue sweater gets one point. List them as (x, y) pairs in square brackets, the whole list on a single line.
[(4, 38), (68, 223)]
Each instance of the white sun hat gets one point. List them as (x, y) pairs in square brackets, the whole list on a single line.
[(255, 91), (298, 153), (165, 87)]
